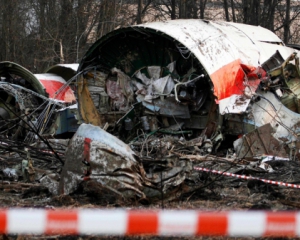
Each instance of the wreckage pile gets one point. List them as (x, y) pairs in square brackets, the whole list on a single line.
[(159, 123), (173, 181)]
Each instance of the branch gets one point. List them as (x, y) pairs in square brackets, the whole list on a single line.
[(291, 20), (146, 6)]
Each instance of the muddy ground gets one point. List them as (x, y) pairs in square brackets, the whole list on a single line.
[(213, 192)]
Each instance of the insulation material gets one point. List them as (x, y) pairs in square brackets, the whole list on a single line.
[(114, 91), (124, 82)]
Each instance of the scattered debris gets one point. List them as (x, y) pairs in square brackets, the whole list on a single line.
[(169, 97)]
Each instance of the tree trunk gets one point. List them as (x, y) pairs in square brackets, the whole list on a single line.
[(182, 9), (251, 9), (287, 22), (202, 8), (139, 12), (173, 9), (255, 13), (245, 11), (226, 11), (233, 11), (271, 14), (192, 9)]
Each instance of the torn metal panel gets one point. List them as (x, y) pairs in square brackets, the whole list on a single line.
[(94, 154), (66, 71), (284, 80), (234, 104), (269, 49), (265, 41), (267, 158), (283, 120), (259, 142), (155, 85), (50, 181), (278, 98), (7, 69), (273, 62), (166, 107), (276, 101)]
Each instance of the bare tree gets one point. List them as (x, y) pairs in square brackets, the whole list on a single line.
[(188, 9), (141, 10), (268, 15), (287, 24), (251, 11), (166, 8), (13, 29)]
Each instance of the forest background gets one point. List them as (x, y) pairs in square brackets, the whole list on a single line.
[(40, 33)]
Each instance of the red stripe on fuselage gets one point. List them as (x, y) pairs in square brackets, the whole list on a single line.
[(229, 79), (52, 88)]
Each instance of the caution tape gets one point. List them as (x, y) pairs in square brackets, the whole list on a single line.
[(247, 177), (163, 222)]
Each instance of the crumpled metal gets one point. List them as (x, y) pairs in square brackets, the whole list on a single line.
[(94, 154)]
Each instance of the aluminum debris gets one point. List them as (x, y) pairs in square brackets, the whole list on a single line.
[(156, 99)]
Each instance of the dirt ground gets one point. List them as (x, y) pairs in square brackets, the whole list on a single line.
[(213, 192)]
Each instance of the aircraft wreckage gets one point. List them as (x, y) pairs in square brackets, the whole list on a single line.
[(156, 97), (32, 101)]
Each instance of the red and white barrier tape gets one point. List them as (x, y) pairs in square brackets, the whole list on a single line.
[(132, 222), (247, 177)]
